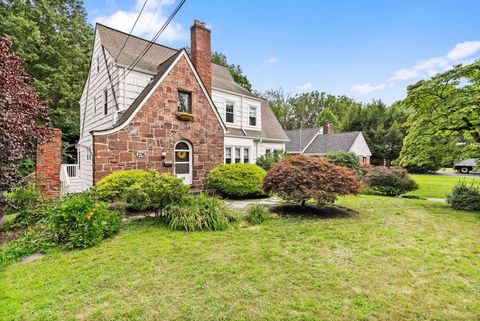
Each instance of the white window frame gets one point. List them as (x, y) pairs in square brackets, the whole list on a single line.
[(227, 103), (105, 101), (242, 149), (246, 152), (254, 109)]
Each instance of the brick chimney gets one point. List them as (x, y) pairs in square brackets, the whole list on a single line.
[(202, 52), (328, 128)]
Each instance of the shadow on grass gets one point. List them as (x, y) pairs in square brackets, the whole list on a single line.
[(313, 212)]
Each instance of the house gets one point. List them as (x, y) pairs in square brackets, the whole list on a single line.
[(323, 140), (165, 109)]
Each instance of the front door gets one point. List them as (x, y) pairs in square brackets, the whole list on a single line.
[(183, 161)]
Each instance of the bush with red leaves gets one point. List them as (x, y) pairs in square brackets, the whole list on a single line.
[(21, 115), (300, 178)]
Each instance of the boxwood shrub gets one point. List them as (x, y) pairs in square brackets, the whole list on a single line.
[(465, 196), (237, 180), (112, 187), (199, 213)]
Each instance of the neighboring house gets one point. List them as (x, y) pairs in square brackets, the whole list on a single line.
[(140, 118), (323, 140)]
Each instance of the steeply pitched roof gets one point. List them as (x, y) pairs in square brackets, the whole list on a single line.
[(321, 144), (270, 127)]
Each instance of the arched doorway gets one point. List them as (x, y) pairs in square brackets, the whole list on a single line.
[(183, 161)]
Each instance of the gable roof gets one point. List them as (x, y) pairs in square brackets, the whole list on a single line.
[(163, 70), (271, 128), (113, 40), (311, 141)]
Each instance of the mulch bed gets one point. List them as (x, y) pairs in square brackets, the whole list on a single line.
[(10, 235), (313, 212)]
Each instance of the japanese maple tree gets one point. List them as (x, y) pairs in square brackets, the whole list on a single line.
[(22, 115)]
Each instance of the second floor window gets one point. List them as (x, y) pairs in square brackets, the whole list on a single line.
[(105, 102), (229, 110), (184, 102), (252, 116)]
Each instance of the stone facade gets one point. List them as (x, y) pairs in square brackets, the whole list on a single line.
[(202, 53), (48, 164), (155, 129)]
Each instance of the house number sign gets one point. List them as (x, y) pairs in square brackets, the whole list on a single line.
[(141, 154)]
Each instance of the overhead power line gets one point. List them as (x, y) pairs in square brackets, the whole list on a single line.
[(133, 27)]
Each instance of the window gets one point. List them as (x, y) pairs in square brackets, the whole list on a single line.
[(237, 155), (98, 64), (95, 105), (105, 101), (246, 155), (268, 151), (252, 116), (229, 109), (228, 155), (184, 102)]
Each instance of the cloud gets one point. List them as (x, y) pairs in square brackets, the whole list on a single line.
[(464, 49), (430, 67), (305, 86), (150, 21), (269, 61), (366, 88)]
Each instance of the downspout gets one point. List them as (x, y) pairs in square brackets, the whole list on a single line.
[(261, 140), (124, 89), (241, 113)]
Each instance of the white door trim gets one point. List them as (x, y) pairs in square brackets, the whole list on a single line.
[(187, 178)]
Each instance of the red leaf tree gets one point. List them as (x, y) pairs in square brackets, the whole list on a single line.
[(22, 115), (300, 178)]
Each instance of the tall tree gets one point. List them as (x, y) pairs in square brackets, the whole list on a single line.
[(445, 123), (22, 115), (235, 70), (54, 41)]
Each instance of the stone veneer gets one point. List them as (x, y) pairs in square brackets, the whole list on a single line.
[(155, 128)]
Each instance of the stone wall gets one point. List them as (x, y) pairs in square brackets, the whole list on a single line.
[(156, 129), (48, 165)]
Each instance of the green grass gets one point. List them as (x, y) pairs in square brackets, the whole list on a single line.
[(436, 186), (399, 259)]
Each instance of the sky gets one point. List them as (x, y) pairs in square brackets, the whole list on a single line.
[(362, 49)]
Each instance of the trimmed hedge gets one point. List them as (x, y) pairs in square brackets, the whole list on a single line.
[(113, 187), (237, 180)]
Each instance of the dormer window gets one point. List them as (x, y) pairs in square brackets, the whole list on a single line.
[(184, 102), (252, 113), (229, 112)]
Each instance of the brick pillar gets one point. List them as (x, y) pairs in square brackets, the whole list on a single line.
[(328, 128), (202, 52), (49, 160)]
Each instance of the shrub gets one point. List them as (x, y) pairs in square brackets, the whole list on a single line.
[(345, 159), (199, 212), (300, 178), (465, 196), (388, 181), (237, 180), (155, 191), (113, 187), (257, 214), (266, 161), (81, 221)]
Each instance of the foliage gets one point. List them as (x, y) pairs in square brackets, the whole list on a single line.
[(237, 180), (156, 190), (388, 181), (257, 214), (445, 122), (235, 70), (199, 213), (465, 196), (36, 239), (55, 41), (345, 159), (80, 221), (21, 114), (266, 161), (114, 186), (325, 116), (300, 178)]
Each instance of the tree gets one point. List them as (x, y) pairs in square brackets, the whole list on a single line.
[(235, 70), (22, 115), (300, 178), (54, 41), (327, 116), (445, 119)]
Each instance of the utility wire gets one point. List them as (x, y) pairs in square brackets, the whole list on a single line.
[(151, 42), (133, 27)]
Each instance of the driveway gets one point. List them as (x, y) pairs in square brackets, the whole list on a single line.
[(456, 174)]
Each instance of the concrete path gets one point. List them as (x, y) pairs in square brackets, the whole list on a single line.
[(242, 205)]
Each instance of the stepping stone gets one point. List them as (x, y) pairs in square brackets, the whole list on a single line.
[(32, 257)]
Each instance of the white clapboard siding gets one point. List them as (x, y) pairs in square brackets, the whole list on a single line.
[(241, 109)]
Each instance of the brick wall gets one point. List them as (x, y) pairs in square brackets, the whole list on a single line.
[(155, 128), (49, 161), (202, 53)]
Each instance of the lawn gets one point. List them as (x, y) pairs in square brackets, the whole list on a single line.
[(398, 259), (436, 186)]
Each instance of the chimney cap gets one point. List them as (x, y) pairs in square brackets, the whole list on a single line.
[(200, 24)]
